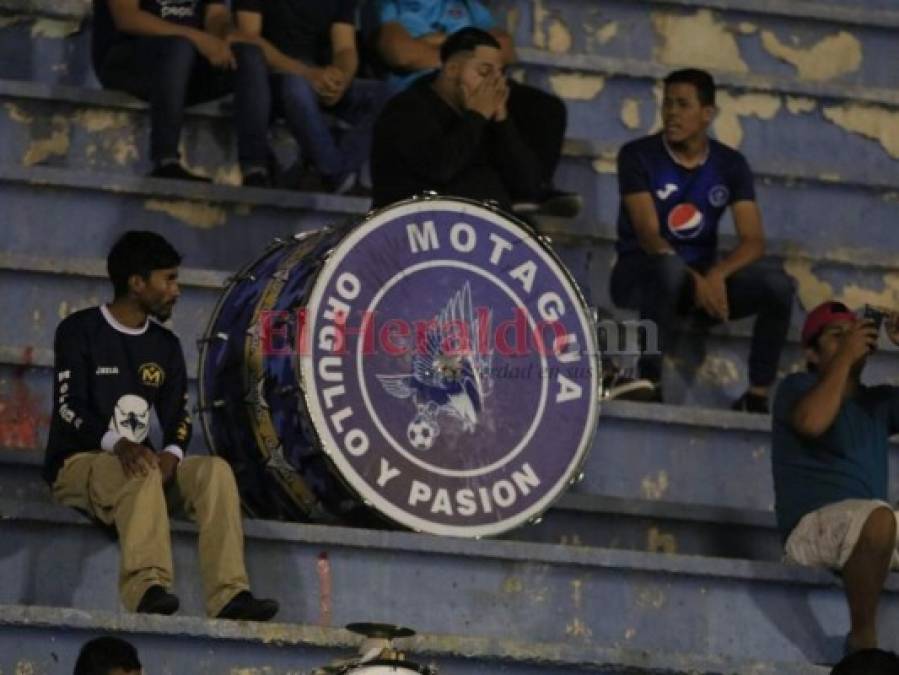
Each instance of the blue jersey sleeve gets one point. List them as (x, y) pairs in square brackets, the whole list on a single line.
[(633, 176), (412, 18), (742, 182), (481, 17)]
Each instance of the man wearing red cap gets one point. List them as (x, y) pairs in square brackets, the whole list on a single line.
[(830, 451)]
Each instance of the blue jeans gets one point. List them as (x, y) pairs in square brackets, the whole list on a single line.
[(171, 74), (295, 99), (662, 289)]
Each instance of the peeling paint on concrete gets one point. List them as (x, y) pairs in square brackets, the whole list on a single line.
[(830, 177), (651, 597), (655, 487), (56, 145), (630, 113), (578, 629), (659, 542), (605, 165), (228, 175), (16, 114), (63, 311), (55, 29), (124, 150), (810, 290), (577, 593), (718, 370), (699, 40), (731, 108), (747, 28), (94, 120), (759, 453), (512, 586), (24, 667), (857, 296), (196, 214), (560, 39), (831, 57), (607, 33), (799, 105), (658, 94), (6, 21), (890, 197), (630, 634), (576, 86), (541, 14), (875, 122)]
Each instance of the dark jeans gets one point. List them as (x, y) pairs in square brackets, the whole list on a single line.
[(293, 97), (662, 289), (171, 74), (541, 119)]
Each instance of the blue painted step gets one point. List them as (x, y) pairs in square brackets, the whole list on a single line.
[(47, 639), (556, 594)]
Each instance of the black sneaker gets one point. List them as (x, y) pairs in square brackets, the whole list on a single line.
[(244, 607), (157, 600), (752, 403), (617, 385), (551, 202), (175, 171), (256, 179)]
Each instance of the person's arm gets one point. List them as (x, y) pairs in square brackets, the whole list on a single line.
[(517, 163), (748, 223), (635, 187), (401, 51), (249, 29), (816, 411), (72, 382), (217, 20), (173, 411), (344, 53)]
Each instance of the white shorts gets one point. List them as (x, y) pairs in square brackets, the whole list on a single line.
[(827, 537)]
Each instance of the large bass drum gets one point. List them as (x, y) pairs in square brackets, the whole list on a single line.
[(433, 366)]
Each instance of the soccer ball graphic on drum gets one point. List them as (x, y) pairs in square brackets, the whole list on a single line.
[(421, 432)]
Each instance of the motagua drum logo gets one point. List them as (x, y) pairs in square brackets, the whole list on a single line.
[(450, 368)]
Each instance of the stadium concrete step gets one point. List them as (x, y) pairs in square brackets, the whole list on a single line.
[(577, 596), (47, 640), (102, 131), (578, 518)]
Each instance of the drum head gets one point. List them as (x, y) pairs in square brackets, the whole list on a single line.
[(449, 368)]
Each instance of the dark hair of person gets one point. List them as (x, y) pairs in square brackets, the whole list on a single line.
[(868, 662), (466, 40), (138, 252), (704, 83), (104, 654)]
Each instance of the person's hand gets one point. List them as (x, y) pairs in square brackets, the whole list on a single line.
[(334, 83), (483, 98), (216, 51), (891, 327), (136, 459), (168, 464), (501, 113), (859, 341), (711, 295)]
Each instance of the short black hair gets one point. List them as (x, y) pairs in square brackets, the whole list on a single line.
[(868, 662), (104, 654), (466, 40), (138, 252), (704, 83)]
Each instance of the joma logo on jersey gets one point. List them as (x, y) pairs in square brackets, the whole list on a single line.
[(151, 375)]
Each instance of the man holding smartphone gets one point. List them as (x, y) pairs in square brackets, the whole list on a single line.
[(830, 457)]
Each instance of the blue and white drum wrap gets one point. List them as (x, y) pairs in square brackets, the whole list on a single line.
[(439, 368)]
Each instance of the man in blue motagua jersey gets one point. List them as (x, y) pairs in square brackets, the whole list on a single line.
[(675, 186)]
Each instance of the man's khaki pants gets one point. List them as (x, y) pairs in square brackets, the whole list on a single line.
[(203, 488)]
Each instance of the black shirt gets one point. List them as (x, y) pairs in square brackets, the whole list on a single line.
[(301, 28), (421, 143), (105, 35), (107, 380)]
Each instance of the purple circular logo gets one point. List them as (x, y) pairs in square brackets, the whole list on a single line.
[(450, 368)]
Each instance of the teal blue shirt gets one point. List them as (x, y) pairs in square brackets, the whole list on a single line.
[(849, 461), (421, 17)]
